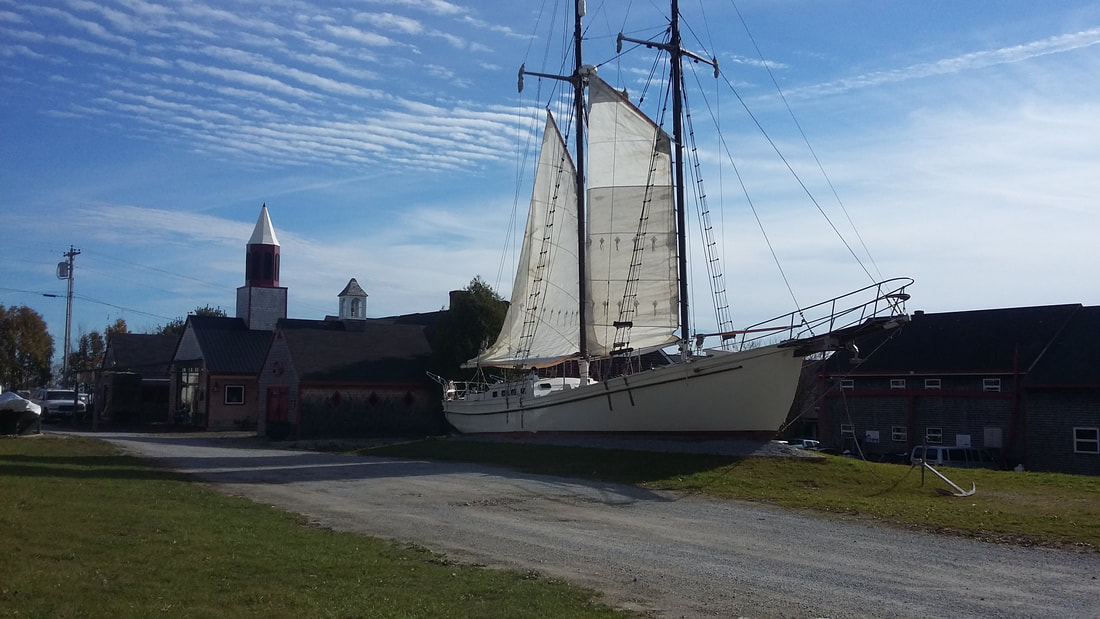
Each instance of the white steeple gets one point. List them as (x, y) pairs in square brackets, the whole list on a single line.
[(264, 232)]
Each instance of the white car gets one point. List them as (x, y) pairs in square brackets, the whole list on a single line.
[(58, 404)]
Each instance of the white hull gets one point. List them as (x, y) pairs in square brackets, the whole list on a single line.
[(744, 393)]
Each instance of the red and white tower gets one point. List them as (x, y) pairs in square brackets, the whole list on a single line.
[(261, 302)]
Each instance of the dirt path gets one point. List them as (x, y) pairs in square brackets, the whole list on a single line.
[(662, 553)]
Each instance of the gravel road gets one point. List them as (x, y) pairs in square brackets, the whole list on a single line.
[(665, 554)]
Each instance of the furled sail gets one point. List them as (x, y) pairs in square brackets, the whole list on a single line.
[(542, 326), (631, 227)]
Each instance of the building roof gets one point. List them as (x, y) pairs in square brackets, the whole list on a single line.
[(264, 232), (1071, 360), (352, 290), (986, 341), (149, 356), (371, 350), (228, 346)]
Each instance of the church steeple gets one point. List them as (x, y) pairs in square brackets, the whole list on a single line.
[(261, 302), (353, 302), (262, 256)]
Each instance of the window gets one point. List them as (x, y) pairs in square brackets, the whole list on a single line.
[(899, 434), (933, 435), (897, 383), (234, 394), (847, 430), (931, 383), (991, 438), (991, 384), (847, 383), (1086, 440)]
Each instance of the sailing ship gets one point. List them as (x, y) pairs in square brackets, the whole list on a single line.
[(602, 275)]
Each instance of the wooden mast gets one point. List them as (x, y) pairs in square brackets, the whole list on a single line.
[(578, 80), (676, 55)]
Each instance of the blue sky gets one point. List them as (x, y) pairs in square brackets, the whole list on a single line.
[(386, 138)]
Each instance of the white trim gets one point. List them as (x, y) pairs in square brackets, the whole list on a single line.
[(933, 435)]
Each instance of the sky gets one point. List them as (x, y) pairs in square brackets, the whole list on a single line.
[(956, 143)]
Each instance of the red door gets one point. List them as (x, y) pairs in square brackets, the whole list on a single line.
[(278, 412)]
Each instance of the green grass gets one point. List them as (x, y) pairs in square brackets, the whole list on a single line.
[(86, 532), (1045, 509)]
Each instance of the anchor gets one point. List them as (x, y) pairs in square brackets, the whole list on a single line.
[(959, 492)]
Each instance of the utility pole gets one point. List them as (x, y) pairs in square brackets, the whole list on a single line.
[(65, 271)]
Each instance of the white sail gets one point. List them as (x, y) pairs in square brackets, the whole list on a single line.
[(631, 226), (542, 326)]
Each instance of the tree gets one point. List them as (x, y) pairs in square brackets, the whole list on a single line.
[(470, 325), (175, 328), (26, 348), (88, 355)]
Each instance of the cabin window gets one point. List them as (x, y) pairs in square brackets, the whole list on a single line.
[(991, 384), (897, 383), (933, 435), (899, 434), (495, 393), (847, 430), (545, 386), (1086, 440), (234, 394), (847, 383), (931, 383)]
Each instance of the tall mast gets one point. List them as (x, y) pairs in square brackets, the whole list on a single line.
[(675, 60), (676, 54), (577, 79), (578, 111)]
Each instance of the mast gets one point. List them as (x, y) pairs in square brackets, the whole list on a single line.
[(675, 59), (578, 111), (676, 54), (577, 79)]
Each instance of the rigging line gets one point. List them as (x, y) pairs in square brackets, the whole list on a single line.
[(797, 178), (748, 198), (805, 138)]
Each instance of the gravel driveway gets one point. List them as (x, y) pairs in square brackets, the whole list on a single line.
[(663, 553)]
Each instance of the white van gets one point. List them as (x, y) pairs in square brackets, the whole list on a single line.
[(958, 457)]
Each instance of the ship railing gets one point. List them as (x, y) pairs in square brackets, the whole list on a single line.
[(828, 324)]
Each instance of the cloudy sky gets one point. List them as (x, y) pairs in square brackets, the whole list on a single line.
[(960, 145)]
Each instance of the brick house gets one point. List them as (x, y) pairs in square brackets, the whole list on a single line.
[(1021, 383), (217, 359), (350, 376)]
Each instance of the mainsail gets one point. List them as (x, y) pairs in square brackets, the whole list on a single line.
[(542, 327), (631, 227)]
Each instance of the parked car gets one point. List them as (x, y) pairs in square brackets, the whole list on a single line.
[(804, 443), (58, 404), (958, 457)]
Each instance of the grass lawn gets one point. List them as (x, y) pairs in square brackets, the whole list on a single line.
[(1047, 509), (86, 532)]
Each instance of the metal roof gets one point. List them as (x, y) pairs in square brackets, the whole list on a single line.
[(228, 346), (986, 341)]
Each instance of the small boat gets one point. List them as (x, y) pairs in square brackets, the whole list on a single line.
[(601, 276)]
